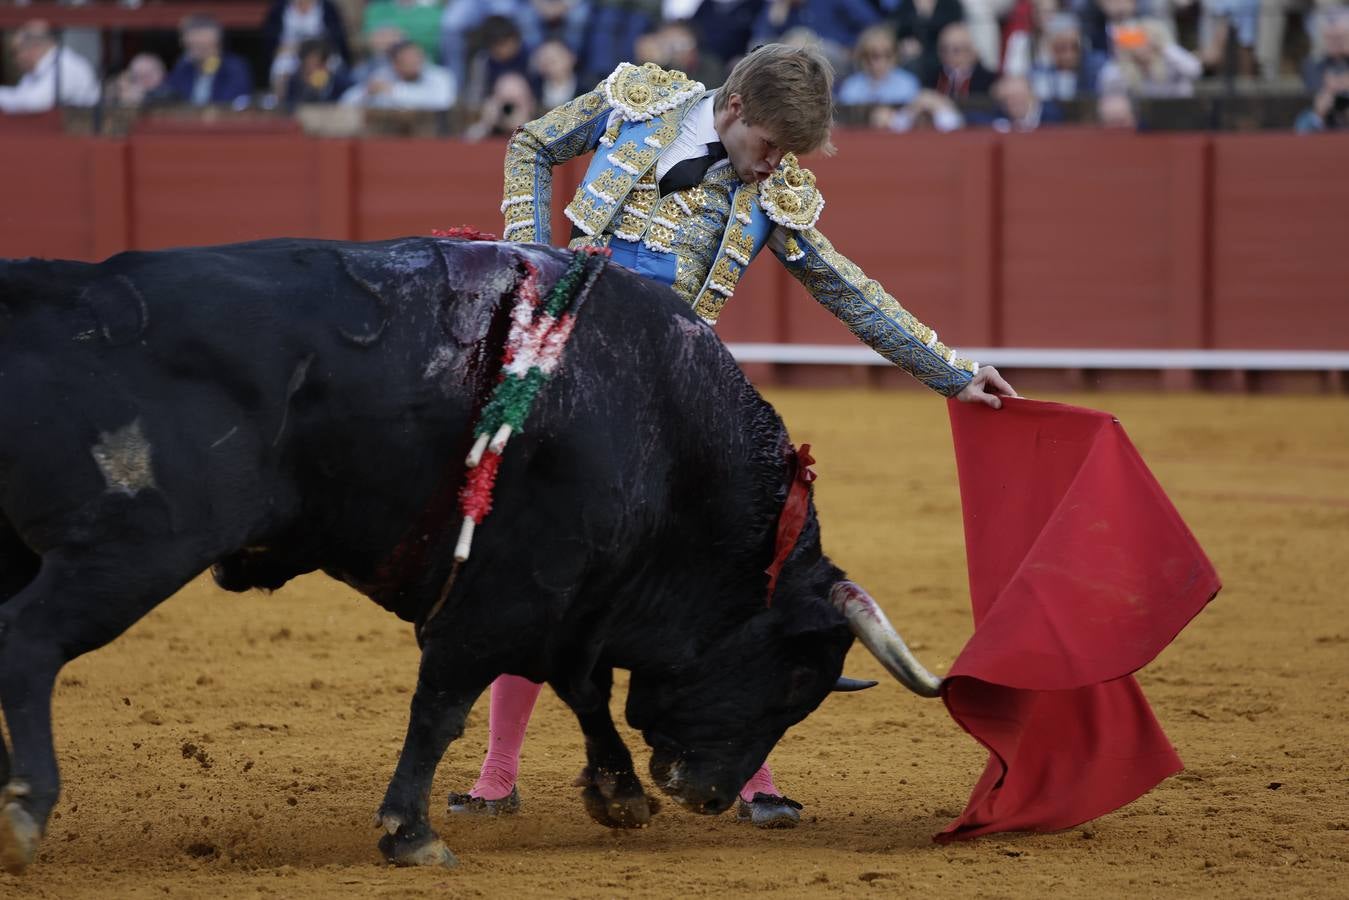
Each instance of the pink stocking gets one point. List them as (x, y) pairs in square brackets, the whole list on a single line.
[(512, 701), (761, 782)]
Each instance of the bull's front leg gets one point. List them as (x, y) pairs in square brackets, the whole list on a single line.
[(76, 603), (439, 711), (612, 793)]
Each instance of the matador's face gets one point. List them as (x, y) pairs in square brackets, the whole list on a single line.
[(752, 149)]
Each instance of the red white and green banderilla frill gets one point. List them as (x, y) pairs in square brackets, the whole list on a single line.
[(538, 334)]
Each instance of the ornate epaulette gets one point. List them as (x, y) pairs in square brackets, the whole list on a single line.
[(641, 92), (790, 197)]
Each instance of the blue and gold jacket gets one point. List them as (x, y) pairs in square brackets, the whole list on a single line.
[(709, 232)]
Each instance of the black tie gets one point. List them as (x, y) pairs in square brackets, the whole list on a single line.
[(688, 172)]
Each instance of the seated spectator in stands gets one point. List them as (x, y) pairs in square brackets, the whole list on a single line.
[(1330, 107), (418, 20), (502, 50), (205, 74), (1332, 29), (724, 28), (918, 23), (410, 83), (1116, 111), (1101, 17), (611, 33), (554, 80), (685, 54), (44, 68), (510, 105), (558, 20), (1061, 69), (985, 20), (140, 80), (959, 73), (674, 45), (929, 111), (322, 76), (1148, 63), (837, 24), (1219, 22), (288, 23), (879, 79), (378, 44), (1018, 108)]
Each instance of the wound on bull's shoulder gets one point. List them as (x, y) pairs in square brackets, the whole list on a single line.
[(123, 456)]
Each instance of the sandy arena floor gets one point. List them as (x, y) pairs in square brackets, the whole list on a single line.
[(238, 746)]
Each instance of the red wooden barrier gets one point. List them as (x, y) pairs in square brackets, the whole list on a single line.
[(1056, 239)]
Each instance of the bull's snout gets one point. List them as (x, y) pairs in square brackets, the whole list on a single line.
[(675, 777)]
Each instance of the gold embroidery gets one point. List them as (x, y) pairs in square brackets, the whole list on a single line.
[(790, 197), (643, 92)]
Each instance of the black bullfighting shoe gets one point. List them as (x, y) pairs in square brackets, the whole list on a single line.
[(769, 811), (468, 804)]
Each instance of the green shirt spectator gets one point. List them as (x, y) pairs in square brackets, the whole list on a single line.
[(418, 19)]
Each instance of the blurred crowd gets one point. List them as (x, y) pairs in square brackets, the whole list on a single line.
[(1012, 65)]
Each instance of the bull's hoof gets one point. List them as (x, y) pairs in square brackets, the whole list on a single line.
[(616, 801), (19, 837), (405, 845), (769, 811)]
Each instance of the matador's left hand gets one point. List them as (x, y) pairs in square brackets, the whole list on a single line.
[(987, 386)]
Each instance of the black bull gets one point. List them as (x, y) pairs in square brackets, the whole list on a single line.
[(286, 406)]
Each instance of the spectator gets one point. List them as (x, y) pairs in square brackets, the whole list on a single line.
[(837, 24), (378, 44), (879, 79), (510, 105), (959, 73), (674, 45), (559, 20), (929, 111), (1018, 108), (1273, 24), (1332, 27), (612, 33), (1100, 18), (503, 50), (984, 18), (1148, 63), (724, 28), (322, 76), (1116, 111), (917, 24), (683, 50), (1220, 20), (140, 80), (288, 23), (418, 20), (554, 74), (1330, 107), (205, 73), (45, 67), (1061, 68), (410, 83), (462, 19)]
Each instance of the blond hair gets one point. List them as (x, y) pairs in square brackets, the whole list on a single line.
[(787, 90)]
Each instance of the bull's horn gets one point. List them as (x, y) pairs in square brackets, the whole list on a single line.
[(876, 633), (847, 685)]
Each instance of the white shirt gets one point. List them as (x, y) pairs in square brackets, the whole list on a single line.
[(696, 131), (36, 90), (435, 89)]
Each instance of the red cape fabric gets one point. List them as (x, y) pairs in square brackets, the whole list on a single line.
[(1081, 571)]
